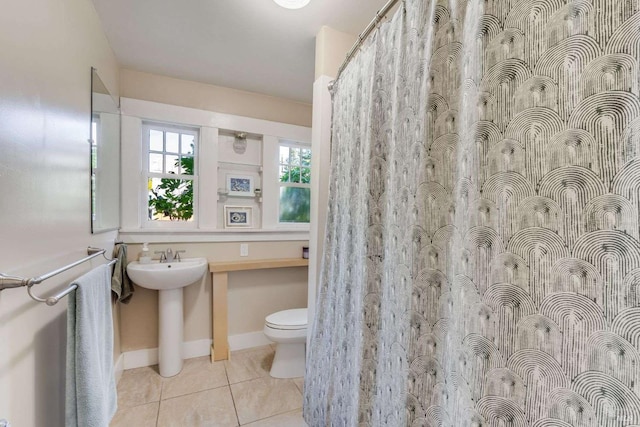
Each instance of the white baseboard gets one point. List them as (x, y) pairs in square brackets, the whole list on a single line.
[(190, 349), (140, 358), (118, 368), (199, 348), (248, 340), (149, 356)]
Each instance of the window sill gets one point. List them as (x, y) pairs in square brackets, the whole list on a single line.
[(155, 235)]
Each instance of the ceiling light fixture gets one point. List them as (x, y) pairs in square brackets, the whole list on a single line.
[(292, 4)]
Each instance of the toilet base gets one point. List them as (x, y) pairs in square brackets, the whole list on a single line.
[(288, 361)]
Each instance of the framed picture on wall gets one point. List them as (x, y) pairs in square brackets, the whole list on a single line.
[(238, 216), (240, 185)]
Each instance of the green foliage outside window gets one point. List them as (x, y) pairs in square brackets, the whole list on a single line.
[(295, 202), (173, 198)]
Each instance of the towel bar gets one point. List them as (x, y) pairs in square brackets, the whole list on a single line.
[(7, 281), (53, 300)]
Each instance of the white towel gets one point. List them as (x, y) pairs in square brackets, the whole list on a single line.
[(91, 399)]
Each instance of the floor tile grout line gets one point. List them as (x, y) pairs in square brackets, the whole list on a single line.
[(224, 365), (194, 392), (269, 377), (226, 373), (250, 379), (288, 380), (158, 414), (233, 399), (162, 384), (273, 416)]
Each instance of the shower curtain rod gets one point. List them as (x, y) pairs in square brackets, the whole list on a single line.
[(363, 36)]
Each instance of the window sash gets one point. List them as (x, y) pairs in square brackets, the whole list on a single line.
[(147, 128), (287, 184)]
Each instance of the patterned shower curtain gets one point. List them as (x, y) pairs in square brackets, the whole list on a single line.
[(482, 255)]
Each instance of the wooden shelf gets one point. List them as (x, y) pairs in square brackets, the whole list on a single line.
[(219, 267), (219, 278)]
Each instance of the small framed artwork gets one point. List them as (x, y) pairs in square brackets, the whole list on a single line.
[(240, 185), (238, 216)]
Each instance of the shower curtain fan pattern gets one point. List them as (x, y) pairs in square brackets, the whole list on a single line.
[(482, 256)]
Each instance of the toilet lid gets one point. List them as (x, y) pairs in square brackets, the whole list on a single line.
[(288, 319)]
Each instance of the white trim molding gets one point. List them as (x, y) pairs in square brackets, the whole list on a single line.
[(248, 340), (175, 114), (149, 356), (190, 349), (118, 368), (210, 125), (211, 236)]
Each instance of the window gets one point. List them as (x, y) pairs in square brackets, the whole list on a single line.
[(171, 173), (295, 178), (95, 121)]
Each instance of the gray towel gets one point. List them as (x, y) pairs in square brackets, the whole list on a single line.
[(120, 283), (91, 399)]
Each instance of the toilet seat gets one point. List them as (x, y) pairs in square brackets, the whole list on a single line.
[(295, 319)]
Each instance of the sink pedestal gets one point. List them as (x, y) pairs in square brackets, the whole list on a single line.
[(170, 332), (169, 279)]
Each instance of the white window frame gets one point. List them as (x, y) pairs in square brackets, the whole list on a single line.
[(134, 224), (301, 146), (147, 126)]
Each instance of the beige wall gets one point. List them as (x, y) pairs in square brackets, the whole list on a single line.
[(252, 294), (331, 49), (47, 50), (167, 90)]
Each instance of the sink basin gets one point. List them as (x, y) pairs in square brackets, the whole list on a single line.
[(169, 279), (167, 275)]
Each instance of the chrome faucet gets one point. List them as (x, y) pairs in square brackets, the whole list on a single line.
[(169, 255)]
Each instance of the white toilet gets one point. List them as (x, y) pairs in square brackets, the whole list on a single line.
[(288, 329)]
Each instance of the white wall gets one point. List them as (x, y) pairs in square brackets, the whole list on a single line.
[(47, 50), (331, 49)]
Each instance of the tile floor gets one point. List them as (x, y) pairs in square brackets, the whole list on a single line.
[(227, 393)]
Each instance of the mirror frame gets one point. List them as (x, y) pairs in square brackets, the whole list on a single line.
[(93, 151)]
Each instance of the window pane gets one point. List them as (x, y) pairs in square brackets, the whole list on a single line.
[(155, 162), (186, 166), (305, 175), (171, 164), (294, 158), (187, 144), (295, 204), (172, 142), (94, 132), (155, 140), (284, 155), (284, 174), (306, 157), (94, 147), (170, 199)]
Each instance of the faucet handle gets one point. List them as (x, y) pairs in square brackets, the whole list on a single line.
[(163, 255), (177, 254)]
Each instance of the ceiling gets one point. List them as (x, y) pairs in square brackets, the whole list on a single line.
[(252, 45)]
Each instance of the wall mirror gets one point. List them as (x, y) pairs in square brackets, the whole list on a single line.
[(105, 158)]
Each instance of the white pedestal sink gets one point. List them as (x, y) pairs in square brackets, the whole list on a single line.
[(169, 278)]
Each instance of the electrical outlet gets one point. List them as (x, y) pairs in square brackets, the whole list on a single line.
[(244, 249)]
